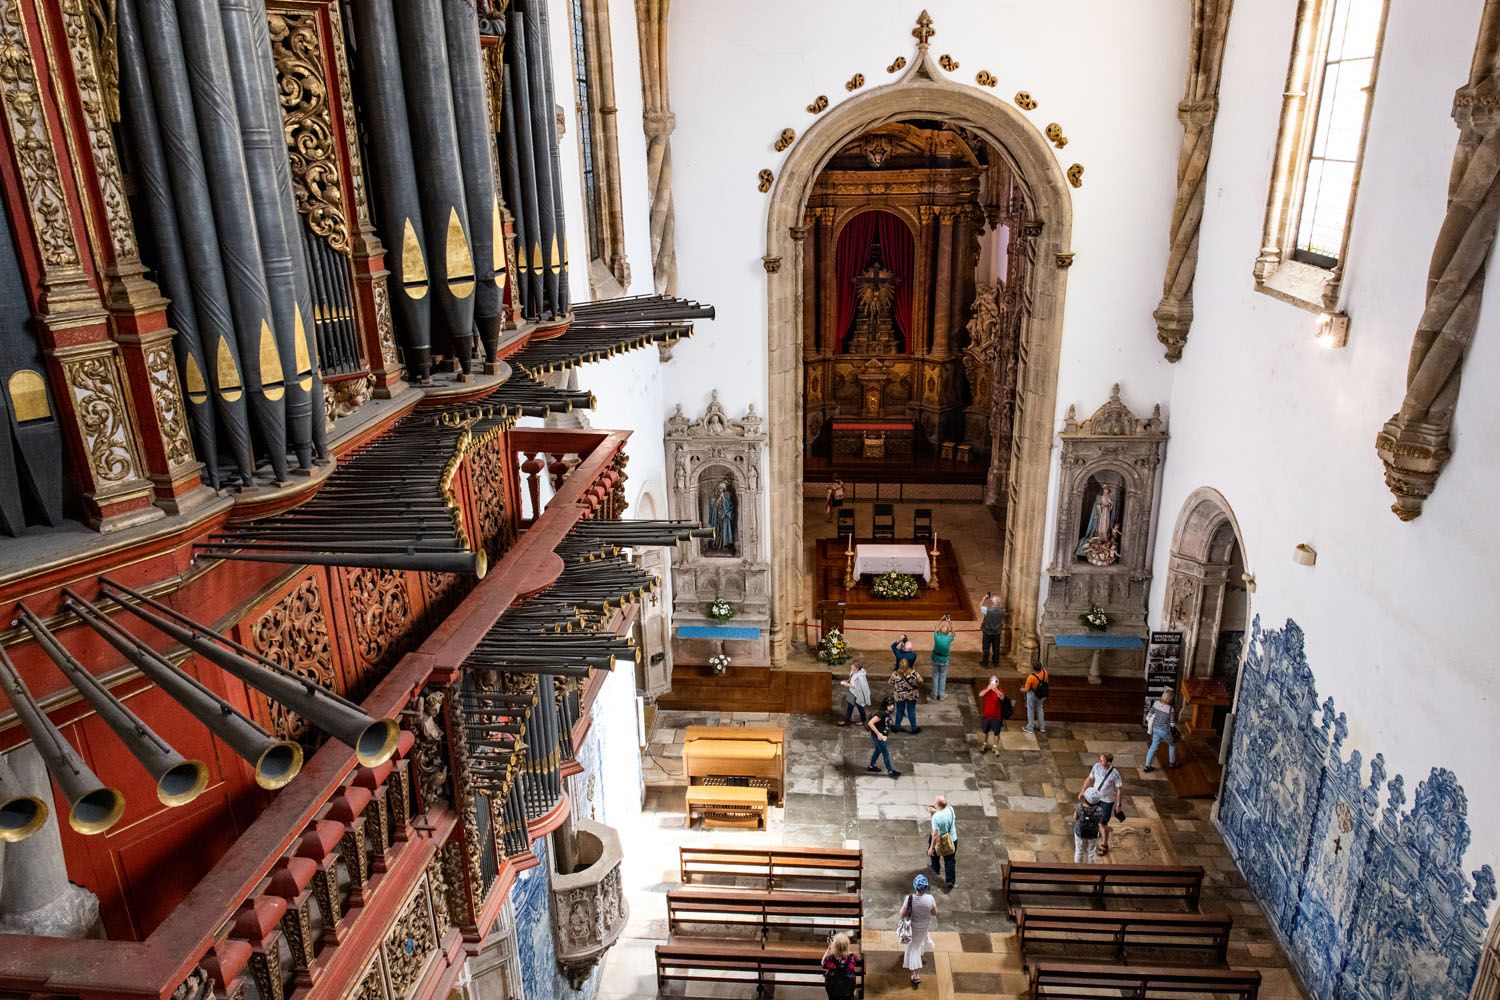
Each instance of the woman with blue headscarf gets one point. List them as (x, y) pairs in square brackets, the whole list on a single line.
[(920, 908)]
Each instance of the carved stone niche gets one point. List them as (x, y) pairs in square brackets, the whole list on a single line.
[(1106, 511), (588, 904), (717, 471)]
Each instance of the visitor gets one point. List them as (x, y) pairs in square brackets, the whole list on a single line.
[(858, 695), (994, 709), (1161, 722), (991, 625), (919, 908), (942, 642), (906, 685), (942, 841), (880, 728), (1086, 828), (839, 968), (835, 498), (1038, 685), (1104, 778)]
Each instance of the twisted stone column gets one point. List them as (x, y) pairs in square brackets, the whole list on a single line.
[(651, 24), (1414, 443), (1199, 107)]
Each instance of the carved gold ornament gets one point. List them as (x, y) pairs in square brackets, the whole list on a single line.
[(293, 634), (380, 611), (97, 401), (1055, 133), (166, 396), (855, 82), (819, 105), (343, 397), (97, 77), (346, 103), (35, 161), (985, 78), (897, 65), (380, 292), (785, 139), (1075, 175), (1025, 101), (764, 179), (948, 62), (307, 120), (410, 943)]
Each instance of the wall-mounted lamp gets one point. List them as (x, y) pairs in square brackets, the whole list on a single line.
[(1304, 555), (1248, 579), (1333, 330)]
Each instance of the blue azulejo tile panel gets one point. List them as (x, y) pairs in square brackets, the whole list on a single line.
[(1371, 899)]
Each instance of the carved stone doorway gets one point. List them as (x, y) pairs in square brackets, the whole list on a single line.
[(1208, 598), (923, 93)]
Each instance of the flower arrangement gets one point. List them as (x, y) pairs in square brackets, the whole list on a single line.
[(721, 610), (719, 664), (833, 647), (1094, 619), (895, 586)]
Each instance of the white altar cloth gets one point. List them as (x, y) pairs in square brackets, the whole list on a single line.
[(877, 559)]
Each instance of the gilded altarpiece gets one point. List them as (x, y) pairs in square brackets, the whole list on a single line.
[(884, 324)]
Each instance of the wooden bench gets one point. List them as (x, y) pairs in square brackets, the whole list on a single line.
[(748, 752), (1200, 935), (828, 868), (768, 912), (1095, 883), (760, 970), (726, 801), (1074, 981)]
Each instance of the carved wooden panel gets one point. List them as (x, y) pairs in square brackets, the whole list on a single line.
[(410, 943), (294, 634), (380, 613)]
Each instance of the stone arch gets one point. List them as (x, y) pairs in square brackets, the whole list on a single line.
[(923, 92), (1207, 545)]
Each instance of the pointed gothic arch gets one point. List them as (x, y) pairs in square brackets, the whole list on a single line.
[(924, 92)]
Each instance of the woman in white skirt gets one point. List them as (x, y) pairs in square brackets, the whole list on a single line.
[(920, 908)]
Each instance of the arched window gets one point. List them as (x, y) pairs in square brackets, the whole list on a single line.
[(1324, 113)]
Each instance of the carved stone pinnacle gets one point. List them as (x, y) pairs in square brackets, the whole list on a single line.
[(923, 32)]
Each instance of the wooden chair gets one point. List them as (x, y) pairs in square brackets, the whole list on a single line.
[(846, 523), (921, 524), (884, 529)]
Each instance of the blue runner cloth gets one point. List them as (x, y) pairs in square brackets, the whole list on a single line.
[(1093, 640), (717, 632)]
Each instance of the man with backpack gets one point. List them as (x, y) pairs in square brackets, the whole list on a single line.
[(1086, 828), (994, 709), (1038, 685)]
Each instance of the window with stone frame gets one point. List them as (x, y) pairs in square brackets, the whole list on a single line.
[(1325, 111), (598, 148)]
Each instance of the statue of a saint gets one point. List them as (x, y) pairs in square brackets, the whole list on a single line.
[(874, 329), (721, 520), (1100, 544)]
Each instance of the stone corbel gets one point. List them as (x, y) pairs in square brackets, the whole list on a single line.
[(1414, 444), (1197, 111)]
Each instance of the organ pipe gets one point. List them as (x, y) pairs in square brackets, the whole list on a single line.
[(559, 224), (262, 144), (395, 188), (517, 103), (510, 169), (471, 116), (440, 184), (544, 142)]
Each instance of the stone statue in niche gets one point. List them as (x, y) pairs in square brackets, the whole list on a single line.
[(719, 514), (1099, 542), (875, 308)]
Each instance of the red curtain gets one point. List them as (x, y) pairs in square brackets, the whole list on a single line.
[(898, 254)]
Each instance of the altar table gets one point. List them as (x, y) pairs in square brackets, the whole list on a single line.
[(877, 559)]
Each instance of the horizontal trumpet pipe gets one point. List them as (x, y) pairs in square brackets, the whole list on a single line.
[(178, 780), (21, 814), (276, 761)]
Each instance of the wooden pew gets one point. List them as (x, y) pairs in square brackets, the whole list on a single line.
[(832, 869), (759, 970), (737, 752), (1075, 981), (727, 802), (1128, 884), (1200, 936), (767, 912)]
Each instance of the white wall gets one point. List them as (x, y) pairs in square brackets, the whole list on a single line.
[(1400, 618)]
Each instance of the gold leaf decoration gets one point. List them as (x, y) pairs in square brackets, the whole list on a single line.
[(948, 62), (855, 82), (785, 139), (1055, 133), (1075, 175), (819, 105), (765, 178), (985, 78), (1025, 101), (899, 64)]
